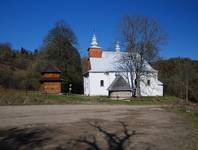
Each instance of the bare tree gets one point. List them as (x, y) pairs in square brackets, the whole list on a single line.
[(142, 38)]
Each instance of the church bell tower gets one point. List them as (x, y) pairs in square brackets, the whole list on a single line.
[(94, 50)]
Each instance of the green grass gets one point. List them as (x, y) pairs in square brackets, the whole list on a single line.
[(191, 116), (15, 97)]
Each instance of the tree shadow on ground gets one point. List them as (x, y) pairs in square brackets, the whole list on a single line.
[(23, 139), (121, 139), (115, 140)]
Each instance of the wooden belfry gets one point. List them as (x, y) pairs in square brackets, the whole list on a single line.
[(51, 80)]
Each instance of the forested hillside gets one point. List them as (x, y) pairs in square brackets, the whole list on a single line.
[(180, 77), (20, 69), (17, 68)]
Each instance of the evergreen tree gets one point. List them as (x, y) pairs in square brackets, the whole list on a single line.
[(59, 49)]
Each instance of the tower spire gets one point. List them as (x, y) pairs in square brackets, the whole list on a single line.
[(117, 48), (94, 50), (94, 41)]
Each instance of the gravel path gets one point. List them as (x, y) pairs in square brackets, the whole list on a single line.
[(98, 127), (12, 116)]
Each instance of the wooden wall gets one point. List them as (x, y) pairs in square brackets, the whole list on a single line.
[(51, 87)]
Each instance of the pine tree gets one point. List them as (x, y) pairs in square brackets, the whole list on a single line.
[(59, 48)]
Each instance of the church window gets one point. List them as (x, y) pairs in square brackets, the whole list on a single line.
[(135, 82), (148, 82), (101, 82)]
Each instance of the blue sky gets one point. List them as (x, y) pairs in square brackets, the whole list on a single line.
[(26, 22)]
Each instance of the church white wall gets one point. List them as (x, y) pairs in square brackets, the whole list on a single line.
[(92, 84), (86, 85), (95, 78), (154, 89)]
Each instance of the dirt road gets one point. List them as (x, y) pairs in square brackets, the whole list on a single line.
[(94, 127)]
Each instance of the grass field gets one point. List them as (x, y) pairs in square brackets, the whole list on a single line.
[(190, 114), (191, 117), (13, 97)]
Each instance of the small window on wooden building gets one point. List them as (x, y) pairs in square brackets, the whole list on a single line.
[(148, 82), (101, 82)]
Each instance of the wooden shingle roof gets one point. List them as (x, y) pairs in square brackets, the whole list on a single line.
[(51, 69), (119, 84)]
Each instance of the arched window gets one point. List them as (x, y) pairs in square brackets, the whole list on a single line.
[(148, 82), (101, 82)]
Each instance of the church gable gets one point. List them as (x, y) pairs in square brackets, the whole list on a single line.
[(119, 84)]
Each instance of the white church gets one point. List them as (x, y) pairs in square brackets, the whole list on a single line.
[(103, 78)]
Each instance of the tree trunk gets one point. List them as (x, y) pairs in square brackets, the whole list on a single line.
[(186, 90), (132, 84), (187, 85), (138, 92)]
